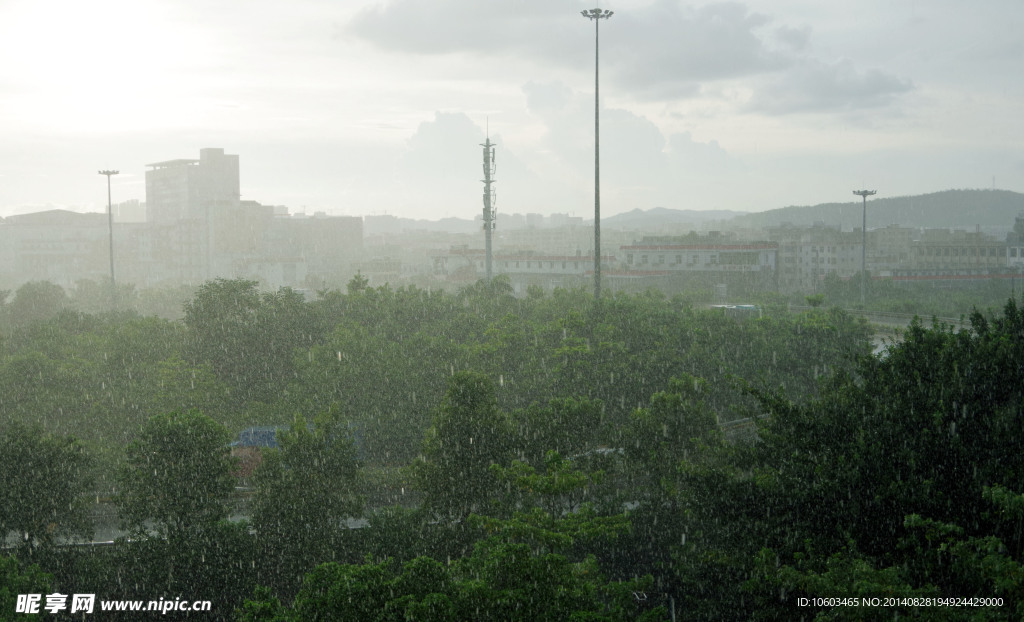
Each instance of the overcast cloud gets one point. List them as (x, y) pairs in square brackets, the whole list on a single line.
[(379, 107)]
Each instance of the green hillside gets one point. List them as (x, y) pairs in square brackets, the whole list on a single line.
[(950, 209)]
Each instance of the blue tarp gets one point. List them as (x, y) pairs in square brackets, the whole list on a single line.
[(260, 436)]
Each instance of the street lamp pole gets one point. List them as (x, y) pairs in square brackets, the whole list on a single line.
[(864, 194), (596, 15), (110, 227)]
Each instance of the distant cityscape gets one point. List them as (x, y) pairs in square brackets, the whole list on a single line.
[(194, 226)]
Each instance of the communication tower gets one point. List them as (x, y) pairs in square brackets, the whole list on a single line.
[(489, 200)]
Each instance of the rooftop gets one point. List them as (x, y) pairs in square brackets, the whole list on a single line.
[(171, 163)]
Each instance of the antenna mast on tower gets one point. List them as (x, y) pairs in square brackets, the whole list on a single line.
[(488, 179)]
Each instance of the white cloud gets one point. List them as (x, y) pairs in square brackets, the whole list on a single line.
[(663, 51), (796, 39), (814, 86), (668, 48), (332, 105), (445, 26)]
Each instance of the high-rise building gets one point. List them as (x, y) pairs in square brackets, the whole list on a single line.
[(186, 189)]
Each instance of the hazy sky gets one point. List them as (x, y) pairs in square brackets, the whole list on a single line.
[(378, 107)]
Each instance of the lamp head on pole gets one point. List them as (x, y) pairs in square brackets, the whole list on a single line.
[(864, 193), (597, 14), (109, 173)]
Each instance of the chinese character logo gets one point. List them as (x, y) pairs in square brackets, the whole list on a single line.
[(28, 603)]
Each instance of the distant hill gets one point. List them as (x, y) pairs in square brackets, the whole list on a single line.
[(992, 210), (658, 217), (655, 219), (376, 225)]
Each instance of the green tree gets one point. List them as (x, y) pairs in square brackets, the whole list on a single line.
[(508, 581), (838, 486), (407, 362), (358, 284), (499, 581), (570, 426), (664, 442), (344, 592), (248, 337), (468, 435), (35, 301), (305, 491), (262, 607), (940, 561), (559, 486), (95, 296), (177, 476), (490, 299), (45, 478), (776, 589), (164, 302), (15, 581), (403, 533), (175, 386), (41, 390), (920, 431), (675, 427), (556, 514)]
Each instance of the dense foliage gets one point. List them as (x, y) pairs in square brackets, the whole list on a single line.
[(937, 298), (34, 462), (482, 456), (175, 477)]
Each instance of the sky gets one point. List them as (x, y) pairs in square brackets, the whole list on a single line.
[(357, 108)]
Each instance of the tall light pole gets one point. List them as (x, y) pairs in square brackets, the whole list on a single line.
[(110, 226), (596, 15), (864, 194)]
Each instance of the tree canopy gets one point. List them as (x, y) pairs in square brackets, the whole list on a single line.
[(611, 462), (176, 476), (45, 478)]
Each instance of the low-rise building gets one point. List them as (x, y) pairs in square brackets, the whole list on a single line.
[(57, 246), (808, 254)]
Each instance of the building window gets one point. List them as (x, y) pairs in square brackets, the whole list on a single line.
[(679, 259), (661, 259), (629, 259), (643, 259)]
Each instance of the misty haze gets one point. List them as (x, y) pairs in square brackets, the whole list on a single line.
[(391, 310)]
